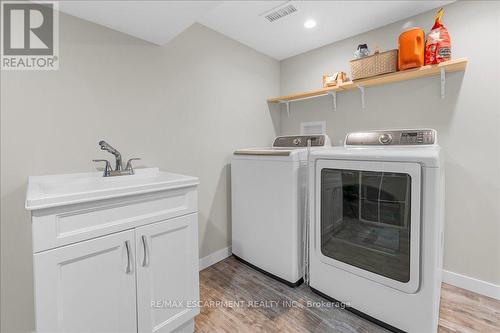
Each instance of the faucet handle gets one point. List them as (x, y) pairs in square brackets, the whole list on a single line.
[(107, 167), (129, 163)]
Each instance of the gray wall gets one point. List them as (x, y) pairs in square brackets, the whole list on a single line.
[(467, 121), (183, 107)]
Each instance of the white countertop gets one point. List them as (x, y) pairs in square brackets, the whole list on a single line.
[(59, 190)]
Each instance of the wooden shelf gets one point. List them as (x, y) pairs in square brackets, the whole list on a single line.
[(454, 65)]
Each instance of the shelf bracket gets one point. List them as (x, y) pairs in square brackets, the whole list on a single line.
[(334, 99), (287, 103), (362, 90), (443, 82)]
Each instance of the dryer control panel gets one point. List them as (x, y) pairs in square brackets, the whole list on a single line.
[(392, 138), (300, 141)]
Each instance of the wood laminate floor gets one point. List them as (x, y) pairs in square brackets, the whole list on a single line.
[(234, 298)]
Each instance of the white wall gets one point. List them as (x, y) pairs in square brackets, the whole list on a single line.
[(183, 107), (467, 121)]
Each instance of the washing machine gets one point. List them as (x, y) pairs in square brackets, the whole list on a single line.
[(376, 227), (268, 191)]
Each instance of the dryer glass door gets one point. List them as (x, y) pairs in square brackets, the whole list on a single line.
[(366, 219)]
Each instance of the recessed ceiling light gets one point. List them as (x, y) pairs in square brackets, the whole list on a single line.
[(309, 24)]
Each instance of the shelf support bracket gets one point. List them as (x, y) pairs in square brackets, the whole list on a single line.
[(362, 90), (287, 103), (443, 82), (334, 99)]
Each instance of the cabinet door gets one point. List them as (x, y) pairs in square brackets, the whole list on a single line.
[(167, 273), (87, 286)]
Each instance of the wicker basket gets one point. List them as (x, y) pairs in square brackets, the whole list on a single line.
[(379, 63)]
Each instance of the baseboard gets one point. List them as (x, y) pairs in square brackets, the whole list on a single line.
[(215, 257), (472, 284)]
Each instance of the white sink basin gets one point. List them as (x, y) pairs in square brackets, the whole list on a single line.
[(59, 190)]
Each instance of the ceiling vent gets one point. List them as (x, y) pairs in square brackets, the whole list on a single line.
[(280, 13)]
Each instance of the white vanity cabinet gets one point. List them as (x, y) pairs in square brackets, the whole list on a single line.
[(167, 271), (121, 258), (87, 287)]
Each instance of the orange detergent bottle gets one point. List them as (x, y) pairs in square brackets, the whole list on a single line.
[(411, 49)]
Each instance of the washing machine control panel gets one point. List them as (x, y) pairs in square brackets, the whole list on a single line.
[(392, 138), (300, 141)]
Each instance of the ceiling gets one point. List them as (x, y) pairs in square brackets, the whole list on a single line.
[(160, 21), (154, 21)]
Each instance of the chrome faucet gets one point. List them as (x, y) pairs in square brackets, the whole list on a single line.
[(108, 170), (107, 147)]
